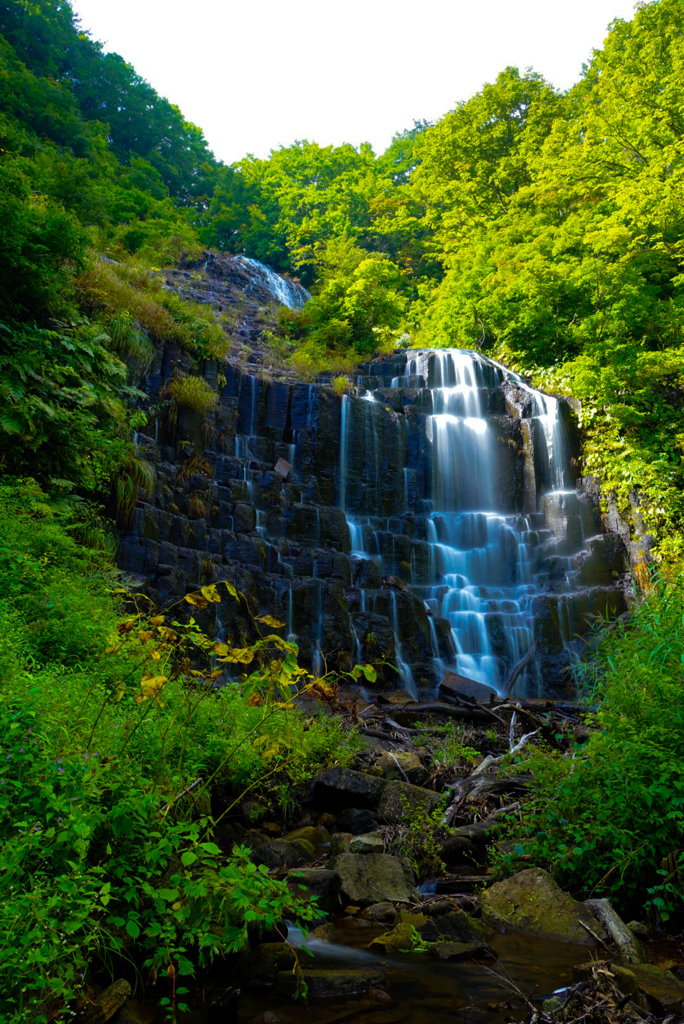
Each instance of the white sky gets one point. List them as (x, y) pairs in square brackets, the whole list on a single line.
[(257, 74)]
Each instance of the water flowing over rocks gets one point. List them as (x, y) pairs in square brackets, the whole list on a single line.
[(430, 522)]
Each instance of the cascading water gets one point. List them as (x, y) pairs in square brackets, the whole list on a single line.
[(483, 572), (428, 522), (288, 293)]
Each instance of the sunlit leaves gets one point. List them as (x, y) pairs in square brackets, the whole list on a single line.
[(365, 670), (269, 620), (151, 687)]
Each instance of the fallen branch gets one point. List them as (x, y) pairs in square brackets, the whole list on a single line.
[(183, 792), (464, 787), (628, 946), (394, 758)]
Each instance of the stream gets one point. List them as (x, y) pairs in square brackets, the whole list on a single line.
[(422, 989)]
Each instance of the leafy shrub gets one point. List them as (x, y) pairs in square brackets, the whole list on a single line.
[(193, 393), (342, 385), (608, 820), (62, 405)]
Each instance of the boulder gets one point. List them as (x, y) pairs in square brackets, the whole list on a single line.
[(316, 836), (304, 848), (456, 926), (400, 938), (453, 684), (403, 765), (400, 800), (344, 787), (261, 967), (339, 843), (356, 820), (380, 913), (370, 877), (369, 843), (457, 849), (335, 984), (278, 854), (531, 902), (444, 950), (322, 883), (663, 990)]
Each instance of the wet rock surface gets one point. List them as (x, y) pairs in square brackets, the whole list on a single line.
[(363, 526)]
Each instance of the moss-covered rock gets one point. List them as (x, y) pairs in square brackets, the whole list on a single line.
[(335, 984), (531, 902), (370, 877), (401, 800), (456, 926), (663, 990), (401, 936), (261, 967)]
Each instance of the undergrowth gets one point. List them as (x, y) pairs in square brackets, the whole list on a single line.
[(608, 818), (112, 732)]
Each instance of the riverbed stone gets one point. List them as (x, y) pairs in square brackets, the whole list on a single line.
[(400, 938), (457, 849), (259, 968), (357, 820), (400, 801), (333, 984), (402, 765), (454, 684), (344, 787), (368, 843), (663, 990), (278, 854), (532, 903), (381, 913), (455, 926), (368, 878), (316, 836), (446, 950)]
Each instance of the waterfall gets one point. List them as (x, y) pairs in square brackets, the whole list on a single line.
[(483, 569), (466, 539), (287, 293)]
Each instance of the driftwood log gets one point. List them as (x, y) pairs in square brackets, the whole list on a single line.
[(106, 1004), (627, 944)]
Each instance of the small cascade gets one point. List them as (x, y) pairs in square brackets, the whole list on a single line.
[(287, 293)]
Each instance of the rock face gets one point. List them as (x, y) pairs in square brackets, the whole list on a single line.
[(433, 527), (532, 903)]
